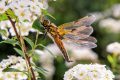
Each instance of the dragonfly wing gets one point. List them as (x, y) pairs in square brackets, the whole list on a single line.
[(79, 33), (61, 47), (88, 42), (74, 36), (85, 21), (82, 30), (90, 39)]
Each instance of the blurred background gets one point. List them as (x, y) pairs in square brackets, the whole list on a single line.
[(106, 31)]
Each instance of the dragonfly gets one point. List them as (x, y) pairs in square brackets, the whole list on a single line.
[(77, 32)]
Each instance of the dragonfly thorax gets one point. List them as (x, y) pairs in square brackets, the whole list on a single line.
[(46, 23)]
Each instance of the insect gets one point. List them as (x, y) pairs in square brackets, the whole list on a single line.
[(77, 32)]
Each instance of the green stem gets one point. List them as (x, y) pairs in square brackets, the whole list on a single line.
[(36, 39)]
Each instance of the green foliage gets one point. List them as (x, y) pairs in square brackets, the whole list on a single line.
[(3, 32), (35, 56), (46, 13), (40, 70), (29, 41), (11, 70), (111, 59), (4, 15), (38, 26), (19, 51), (10, 41)]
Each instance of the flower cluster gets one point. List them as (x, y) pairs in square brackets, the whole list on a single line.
[(114, 48), (111, 25), (110, 18), (76, 54), (88, 72), (16, 63), (26, 12)]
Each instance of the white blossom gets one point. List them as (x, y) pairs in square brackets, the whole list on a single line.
[(75, 53), (110, 24), (114, 48), (46, 59), (26, 12), (88, 72), (16, 63), (84, 54), (3, 8), (23, 28), (116, 10)]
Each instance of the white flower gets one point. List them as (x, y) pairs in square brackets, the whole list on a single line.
[(88, 72), (26, 12), (84, 54), (114, 48), (24, 9), (110, 24), (69, 75), (45, 4), (116, 10), (16, 63), (3, 8), (23, 14), (23, 27)]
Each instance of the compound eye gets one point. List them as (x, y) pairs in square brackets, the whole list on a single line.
[(46, 22)]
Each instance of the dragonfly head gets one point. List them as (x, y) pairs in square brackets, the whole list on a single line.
[(46, 23)]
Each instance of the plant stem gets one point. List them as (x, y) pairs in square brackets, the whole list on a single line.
[(21, 41), (37, 34)]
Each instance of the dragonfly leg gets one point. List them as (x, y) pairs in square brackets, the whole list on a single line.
[(45, 34)]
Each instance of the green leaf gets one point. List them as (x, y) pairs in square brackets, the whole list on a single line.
[(10, 41), (45, 12), (19, 51), (110, 59), (3, 32), (35, 56), (29, 41), (4, 16), (38, 26), (11, 70), (40, 70), (11, 13), (41, 77)]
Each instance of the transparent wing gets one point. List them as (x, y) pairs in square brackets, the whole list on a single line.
[(88, 42), (79, 33), (85, 21)]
